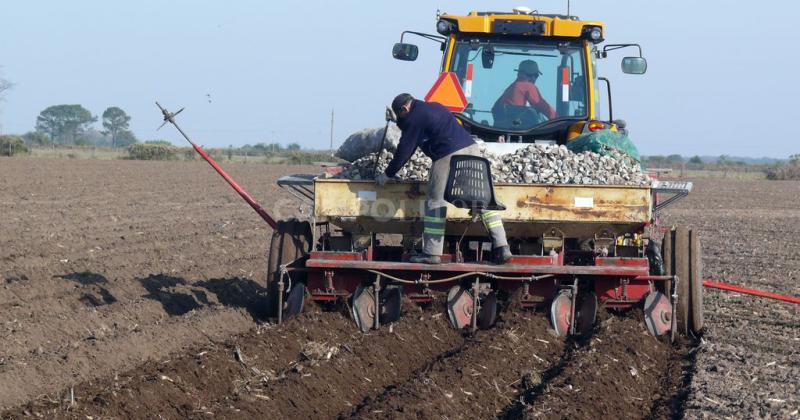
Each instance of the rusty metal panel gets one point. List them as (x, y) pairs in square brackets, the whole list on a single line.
[(525, 203)]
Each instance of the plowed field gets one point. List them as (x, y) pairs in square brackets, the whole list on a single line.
[(132, 289)]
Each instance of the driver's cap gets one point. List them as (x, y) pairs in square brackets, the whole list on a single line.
[(529, 67)]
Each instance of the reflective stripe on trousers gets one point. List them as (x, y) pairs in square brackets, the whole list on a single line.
[(494, 224), (433, 230)]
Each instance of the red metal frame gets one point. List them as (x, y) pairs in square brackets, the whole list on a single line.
[(748, 291), (618, 282)]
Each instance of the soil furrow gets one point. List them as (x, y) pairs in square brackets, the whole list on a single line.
[(317, 365), (479, 381), (621, 372)]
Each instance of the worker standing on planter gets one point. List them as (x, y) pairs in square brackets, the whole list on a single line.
[(431, 127)]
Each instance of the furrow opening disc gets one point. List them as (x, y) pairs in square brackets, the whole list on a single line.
[(459, 307), (657, 313), (560, 312), (364, 308)]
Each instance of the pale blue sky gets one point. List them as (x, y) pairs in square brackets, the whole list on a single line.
[(719, 80)]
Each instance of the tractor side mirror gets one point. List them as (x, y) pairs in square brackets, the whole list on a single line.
[(405, 52), (487, 57), (634, 65)]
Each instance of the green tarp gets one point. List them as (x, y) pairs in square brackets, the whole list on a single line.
[(602, 142)]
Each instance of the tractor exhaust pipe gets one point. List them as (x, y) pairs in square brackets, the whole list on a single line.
[(169, 117)]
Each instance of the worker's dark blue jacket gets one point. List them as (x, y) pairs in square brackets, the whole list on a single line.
[(432, 128)]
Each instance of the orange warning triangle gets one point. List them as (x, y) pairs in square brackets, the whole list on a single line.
[(447, 91)]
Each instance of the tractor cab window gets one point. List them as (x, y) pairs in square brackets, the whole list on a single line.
[(518, 85)]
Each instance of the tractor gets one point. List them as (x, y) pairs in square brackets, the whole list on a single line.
[(576, 248)]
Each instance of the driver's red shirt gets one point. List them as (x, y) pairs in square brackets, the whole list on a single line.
[(521, 92)]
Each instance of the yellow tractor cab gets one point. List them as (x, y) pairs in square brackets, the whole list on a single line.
[(526, 77)]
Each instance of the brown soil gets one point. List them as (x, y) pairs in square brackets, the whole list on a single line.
[(749, 362), (136, 287), (107, 264)]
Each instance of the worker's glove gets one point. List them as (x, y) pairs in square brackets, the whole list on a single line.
[(381, 179), (390, 115)]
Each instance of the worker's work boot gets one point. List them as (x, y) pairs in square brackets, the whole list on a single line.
[(502, 254), (425, 259)]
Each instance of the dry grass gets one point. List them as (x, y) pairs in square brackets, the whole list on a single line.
[(690, 174), (220, 155)]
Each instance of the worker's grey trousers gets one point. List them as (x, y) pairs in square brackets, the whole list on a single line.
[(436, 208)]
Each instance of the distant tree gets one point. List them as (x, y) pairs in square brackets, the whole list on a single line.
[(723, 160), (695, 160), (115, 120), (675, 159), (126, 138), (36, 138), (292, 146), (794, 159), (64, 123)]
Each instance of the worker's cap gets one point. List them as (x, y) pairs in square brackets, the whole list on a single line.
[(529, 67), (401, 100)]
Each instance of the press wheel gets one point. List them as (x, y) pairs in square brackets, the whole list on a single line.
[(391, 304), (488, 312), (290, 240), (363, 306), (293, 304), (585, 313)]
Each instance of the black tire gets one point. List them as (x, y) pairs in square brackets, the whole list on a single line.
[(488, 312), (655, 259), (290, 241), (696, 282), (669, 258), (294, 300), (391, 304)]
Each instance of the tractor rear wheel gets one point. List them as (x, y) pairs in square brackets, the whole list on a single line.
[(290, 241)]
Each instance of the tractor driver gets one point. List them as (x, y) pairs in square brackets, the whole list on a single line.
[(510, 110), (431, 127)]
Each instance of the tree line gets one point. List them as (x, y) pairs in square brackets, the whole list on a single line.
[(73, 125)]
